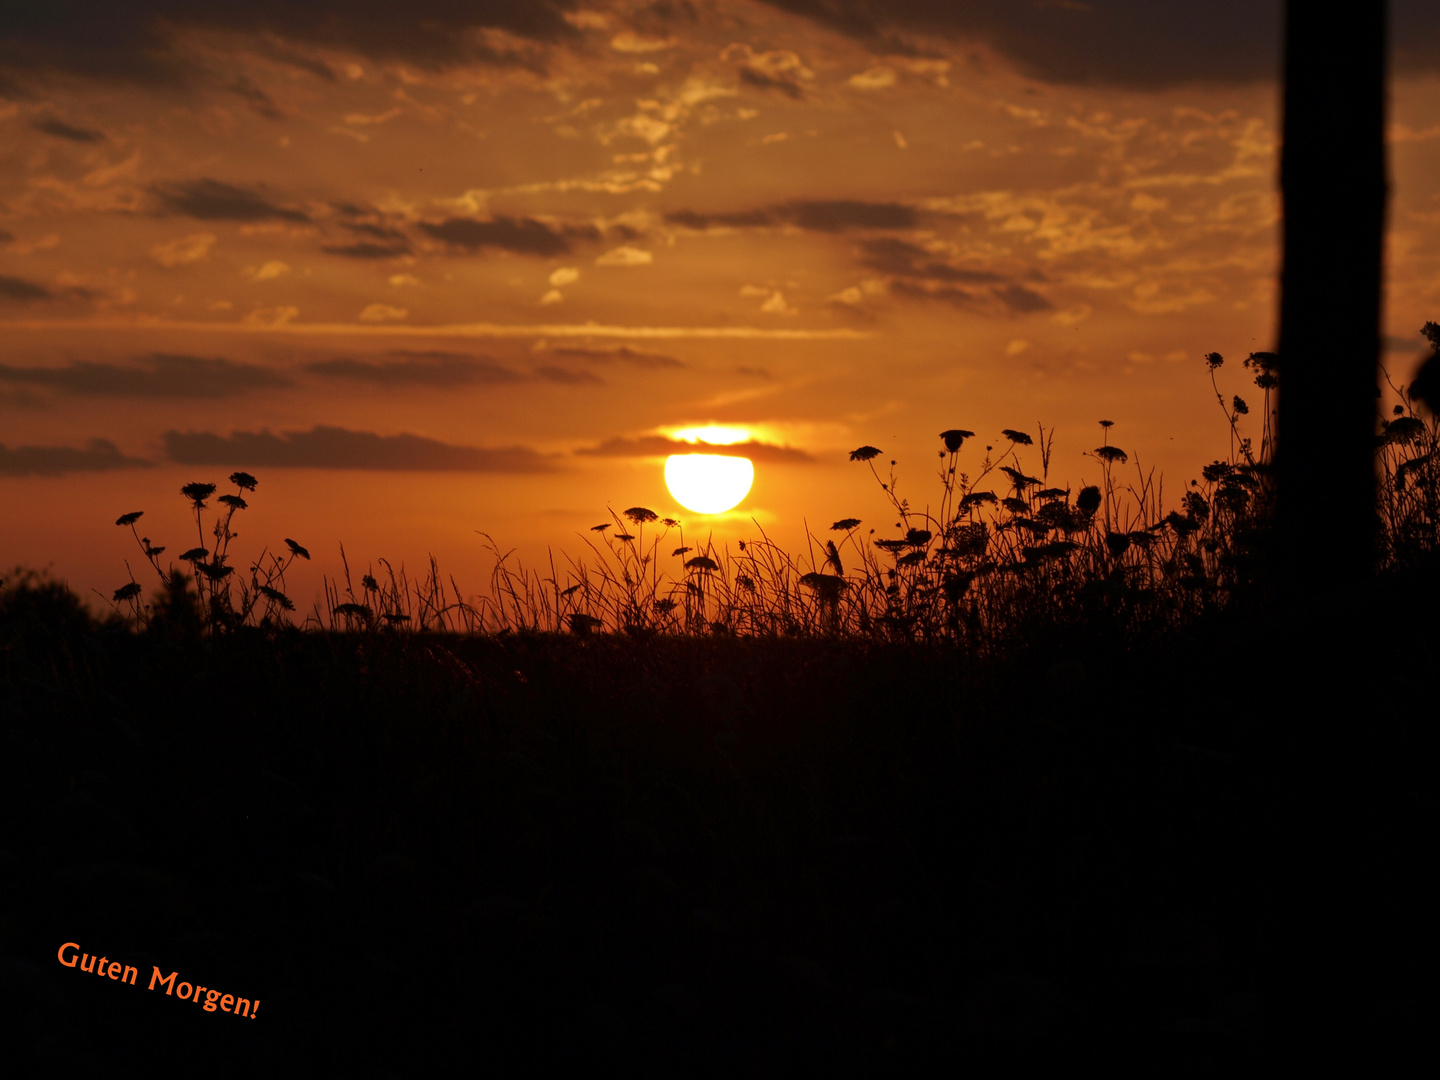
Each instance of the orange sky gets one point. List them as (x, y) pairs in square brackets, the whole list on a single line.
[(576, 227)]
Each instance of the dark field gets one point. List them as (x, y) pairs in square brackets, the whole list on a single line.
[(702, 856)]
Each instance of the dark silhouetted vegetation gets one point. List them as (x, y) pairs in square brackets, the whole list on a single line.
[(1013, 785)]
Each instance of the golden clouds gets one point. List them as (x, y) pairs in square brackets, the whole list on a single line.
[(378, 313), (184, 250), (625, 256)]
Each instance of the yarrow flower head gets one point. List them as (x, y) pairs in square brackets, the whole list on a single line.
[(197, 493), (954, 438)]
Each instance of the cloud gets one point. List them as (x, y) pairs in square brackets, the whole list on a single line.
[(625, 354), (838, 214), (383, 313), (627, 41), (337, 448), (567, 377), (625, 256), (918, 290), (273, 317), (136, 42), (29, 247), (214, 200), (258, 101), (565, 275), (366, 249), (435, 369), (182, 252), (1007, 300), (61, 130), (523, 236), (779, 69), (98, 455), (892, 256), (744, 219), (663, 446), (13, 288), (879, 77), (824, 215), (1137, 43), (1127, 42), (270, 271), (380, 240), (918, 274), (157, 376), (1021, 300)]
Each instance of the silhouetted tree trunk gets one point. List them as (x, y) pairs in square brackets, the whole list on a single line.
[(1332, 181)]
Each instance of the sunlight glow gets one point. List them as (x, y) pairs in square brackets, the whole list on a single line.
[(708, 483), (714, 434)]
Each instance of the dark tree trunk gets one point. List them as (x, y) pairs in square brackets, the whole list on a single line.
[(1332, 181), (1333, 971)]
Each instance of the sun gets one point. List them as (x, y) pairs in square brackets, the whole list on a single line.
[(708, 483)]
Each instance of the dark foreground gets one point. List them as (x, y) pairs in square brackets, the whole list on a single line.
[(705, 857)]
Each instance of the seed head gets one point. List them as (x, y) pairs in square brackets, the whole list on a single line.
[(197, 493), (954, 438)]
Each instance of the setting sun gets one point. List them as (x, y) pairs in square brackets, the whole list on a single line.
[(708, 483)]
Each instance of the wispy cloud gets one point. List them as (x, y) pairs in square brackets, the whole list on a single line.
[(522, 236), (142, 42), (278, 321), (338, 448), (818, 215), (158, 376), (663, 446), (624, 354), (52, 126), (566, 376), (184, 250), (368, 249), (214, 200), (435, 369), (98, 455), (13, 288)]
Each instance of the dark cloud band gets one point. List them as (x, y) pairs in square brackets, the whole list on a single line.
[(159, 376), (434, 370), (1140, 43), (98, 455), (214, 200), (522, 236), (337, 448), (13, 288), (833, 215), (134, 42), (661, 446)]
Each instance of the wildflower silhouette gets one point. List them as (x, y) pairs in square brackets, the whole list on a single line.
[(998, 548)]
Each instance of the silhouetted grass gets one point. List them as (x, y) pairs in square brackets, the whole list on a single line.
[(822, 837), (1000, 552)]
